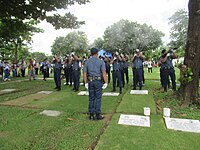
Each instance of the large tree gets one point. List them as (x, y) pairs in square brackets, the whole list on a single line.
[(41, 10), (127, 35), (190, 69), (73, 41)]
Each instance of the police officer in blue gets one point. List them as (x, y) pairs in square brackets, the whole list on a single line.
[(125, 59), (107, 63), (94, 73), (168, 69), (137, 67), (76, 71), (57, 72), (67, 70), (116, 72)]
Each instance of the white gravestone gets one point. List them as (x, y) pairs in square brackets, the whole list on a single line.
[(134, 120), (110, 94), (139, 92), (51, 113), (82, 93), (183, 124), (8, 90), (45, 92)]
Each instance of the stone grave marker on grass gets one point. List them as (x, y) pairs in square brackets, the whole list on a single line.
[(51, 113), (110, 94), (134, 120), (81, 93), (187, 125), (45, 92), (139, 92)]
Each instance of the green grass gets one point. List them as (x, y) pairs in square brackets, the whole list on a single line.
[(23, 128)]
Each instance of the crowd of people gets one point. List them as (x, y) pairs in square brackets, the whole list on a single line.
[(96, 72), (116, 67), (19, 69)]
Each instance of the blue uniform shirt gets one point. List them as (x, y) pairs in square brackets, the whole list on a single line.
[(116, 65), (94, 67), (126, 64), (75, 65), (137, 62), (58, 65), (168, 63)]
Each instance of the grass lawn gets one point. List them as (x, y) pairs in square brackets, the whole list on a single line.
[(24, 128)]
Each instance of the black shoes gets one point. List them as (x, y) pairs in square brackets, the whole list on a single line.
[(97, 117), (92, 117), (58, 89)]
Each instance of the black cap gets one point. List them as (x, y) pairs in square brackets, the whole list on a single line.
[(94, 50)]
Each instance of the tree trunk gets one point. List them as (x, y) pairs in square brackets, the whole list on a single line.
[(189, 90), (16, 53)]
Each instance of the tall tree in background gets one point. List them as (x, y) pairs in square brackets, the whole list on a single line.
[(17, 18), (127, 35), (178, 33), (74, 41), (190, 69)]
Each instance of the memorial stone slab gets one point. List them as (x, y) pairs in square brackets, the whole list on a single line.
[(82, 93), (187, 125), (51, 113), (143, 92), (8, 90), (45, 92), (110, 94), (134, 120)]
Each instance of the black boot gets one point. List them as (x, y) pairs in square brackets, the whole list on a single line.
[(120, 90), (134, 88), (114, 89), (91, 117), (99, 117), (140, 88)]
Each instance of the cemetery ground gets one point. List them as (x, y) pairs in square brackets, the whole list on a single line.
[(23, 127)]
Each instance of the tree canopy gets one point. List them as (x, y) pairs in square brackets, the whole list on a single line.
[(126, 35), (74, 41)]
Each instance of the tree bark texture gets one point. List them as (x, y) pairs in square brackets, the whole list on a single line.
[(189, 90)]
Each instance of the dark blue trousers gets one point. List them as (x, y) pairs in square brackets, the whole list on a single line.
[(57, 79), (95, 96), (116, 75), (76, 79), (137, 77)]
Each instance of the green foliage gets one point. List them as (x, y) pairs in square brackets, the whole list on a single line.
[(187, 76), (178, 33), (126, 35), (39, 10), (98, 43), (74, 41), (39, 56)]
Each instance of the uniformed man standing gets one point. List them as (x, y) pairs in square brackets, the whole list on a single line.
[(125, 59), (116, 73), (168, 69), (76, 71), (57, 72), (137, 67), (107, 63), (94, 73)]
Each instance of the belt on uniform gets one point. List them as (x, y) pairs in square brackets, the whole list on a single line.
[(137, 67), (167, 68), (94, 78), (116, 70), (75, 69)]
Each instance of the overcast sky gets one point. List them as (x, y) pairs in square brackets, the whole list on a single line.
[(99, 14)]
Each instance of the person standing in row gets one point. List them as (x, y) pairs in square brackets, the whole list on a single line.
[(45, 69), (57, 72), (107, 63), (149, 66), (125, 67), (116, 73), (137, 67), (168, 69), (23, 68), (94, 73), (76, 71), (31, 70)]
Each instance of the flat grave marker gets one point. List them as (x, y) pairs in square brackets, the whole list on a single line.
[(110, 94), (8, 90), (143, 92), (187, 125), (45, 92), (134, 120), (83, 93), (51, 113)]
